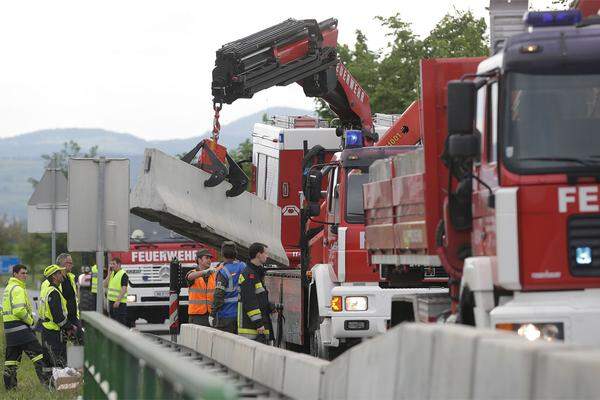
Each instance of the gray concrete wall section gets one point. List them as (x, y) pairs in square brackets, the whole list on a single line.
[(269, 367), (303, 376), (172, 192), (569, 374), (383, 356), (415, 361)]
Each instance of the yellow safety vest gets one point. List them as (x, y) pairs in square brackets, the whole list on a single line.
[(45, 313), (114, 286), (15, 303), (94, 287)]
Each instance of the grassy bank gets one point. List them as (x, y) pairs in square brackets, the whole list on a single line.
[(29, 386)]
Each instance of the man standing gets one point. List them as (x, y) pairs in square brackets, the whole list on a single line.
[(94, 284), (18, 321), (224, 307), (54, 316), (69, 289), (116, 282), (201, 289), (254, 309)]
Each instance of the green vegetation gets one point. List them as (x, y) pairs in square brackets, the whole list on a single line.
[(390, 76), (29, 386)]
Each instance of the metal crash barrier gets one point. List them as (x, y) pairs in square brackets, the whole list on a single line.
[(123, 364)]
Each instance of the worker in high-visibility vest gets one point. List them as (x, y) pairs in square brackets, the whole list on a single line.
[(201, 289), (56, 326), (17, 317), (94, 283), (68, 288), (224, 307), (254, 308), (116, 284)]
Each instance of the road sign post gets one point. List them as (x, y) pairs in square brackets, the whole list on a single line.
[(98, 209)]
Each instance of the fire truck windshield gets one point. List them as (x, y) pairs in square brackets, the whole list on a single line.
[(143, 231), (356, 178), (551, 123)]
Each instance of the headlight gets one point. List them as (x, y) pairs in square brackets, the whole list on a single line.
[(548, 331), (357, 303), (131, 298)]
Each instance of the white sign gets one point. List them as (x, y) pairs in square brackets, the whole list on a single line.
[(84, 202), (50, 191)]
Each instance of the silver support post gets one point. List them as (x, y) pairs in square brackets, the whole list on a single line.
[(100, 234), (54, 169)]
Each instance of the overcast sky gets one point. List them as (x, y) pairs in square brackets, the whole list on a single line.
[(144, 67)]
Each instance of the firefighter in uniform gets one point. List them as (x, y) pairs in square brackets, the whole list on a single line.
[(224, 308), (254, 309), (201, 289), (56, 326), (116, 283), (18, 333)]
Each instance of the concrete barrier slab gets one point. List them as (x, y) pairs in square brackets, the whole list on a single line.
[(567, 374), (243, 362), (335, 379), (415, 363), (303, 376), (223, 348), (187, 335), (269, 367), (373, 366), (504, 366), (454, 350), (204, 340)]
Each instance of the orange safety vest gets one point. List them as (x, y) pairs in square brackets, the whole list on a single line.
[(201, 295)]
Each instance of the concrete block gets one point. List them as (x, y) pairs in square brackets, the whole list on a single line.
[(243, 362), (413, 375), (335, 380), (204, 340), (567, 374), (269, 366), (373, 367), (504, 367), (303, 376), (454, 350), (223, 348), (186, 335)]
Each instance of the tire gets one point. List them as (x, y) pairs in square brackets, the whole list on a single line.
[(466, 306), (317, 349), (86, 300)]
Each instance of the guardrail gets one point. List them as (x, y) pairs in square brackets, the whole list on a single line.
[(119, 363)]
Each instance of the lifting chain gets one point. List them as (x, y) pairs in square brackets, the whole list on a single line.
[(216, 125)]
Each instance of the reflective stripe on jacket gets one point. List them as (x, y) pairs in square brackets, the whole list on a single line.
[(253, 306), (201, 295), (45, 309), (114, 286), (231, 271), (17, 313)]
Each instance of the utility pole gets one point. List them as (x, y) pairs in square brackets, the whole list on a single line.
[(100, 233)]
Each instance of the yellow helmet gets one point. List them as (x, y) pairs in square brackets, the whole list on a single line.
[(52, 269)]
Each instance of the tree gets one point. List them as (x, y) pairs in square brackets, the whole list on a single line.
[(243, 154), (70, 149), (391, 76)]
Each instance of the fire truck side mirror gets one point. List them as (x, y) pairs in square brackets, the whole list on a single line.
[(462, 96), (464, 146), (312, 189)]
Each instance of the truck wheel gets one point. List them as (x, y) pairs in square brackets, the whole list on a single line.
[(466, 305), (317, 348), (86, 300)]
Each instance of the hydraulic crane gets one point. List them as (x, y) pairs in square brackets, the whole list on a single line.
[(294, 51)]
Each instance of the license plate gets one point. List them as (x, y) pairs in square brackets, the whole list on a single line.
[(161, 293)]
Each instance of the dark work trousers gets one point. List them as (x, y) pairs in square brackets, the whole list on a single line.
[(118, 314), (56, 348), (261, 339), (227, 325), (12, 359), (199, 319)]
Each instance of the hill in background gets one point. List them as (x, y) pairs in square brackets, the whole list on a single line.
[(20, 156)]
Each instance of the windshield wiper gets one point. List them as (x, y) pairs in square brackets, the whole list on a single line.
[(584, 162)]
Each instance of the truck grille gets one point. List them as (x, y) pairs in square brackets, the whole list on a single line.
[(140, 274), (584, 245)]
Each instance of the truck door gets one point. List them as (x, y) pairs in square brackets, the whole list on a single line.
[(333, 218)]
